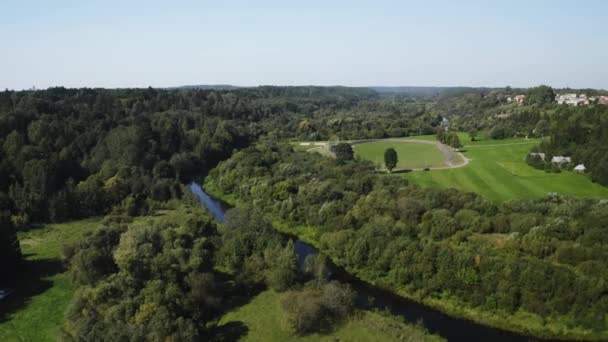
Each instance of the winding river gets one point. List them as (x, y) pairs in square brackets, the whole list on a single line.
[(371, 297)]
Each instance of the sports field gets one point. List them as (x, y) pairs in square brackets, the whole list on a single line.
[(498, 171), (410, 155)]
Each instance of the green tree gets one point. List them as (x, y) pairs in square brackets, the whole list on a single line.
[(541, 95), (453, 140), (283, 267), (473, 134), (600, 172), (344, 152), (390, 159)]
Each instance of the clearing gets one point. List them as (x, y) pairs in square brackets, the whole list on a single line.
[(34, 311), (412, 154), (262, 320), (498, 171)]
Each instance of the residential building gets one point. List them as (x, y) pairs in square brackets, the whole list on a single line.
[(538, 154), (572, 99), (580, 168), (560, 160)]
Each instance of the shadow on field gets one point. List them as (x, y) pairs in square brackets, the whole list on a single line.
[(30, 282), (235, 295), (231, 331), (394, 171)]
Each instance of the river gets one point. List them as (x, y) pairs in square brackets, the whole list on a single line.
[(371, 297)]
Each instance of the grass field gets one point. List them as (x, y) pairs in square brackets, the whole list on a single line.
[(498, 171), (36, 308), (410, 155), (262, 320)]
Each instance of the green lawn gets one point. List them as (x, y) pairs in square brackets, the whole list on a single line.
[(37, 307), (262, 320), (499, 172), (411, 155)]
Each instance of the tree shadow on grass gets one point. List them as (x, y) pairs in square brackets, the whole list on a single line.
[(234, 295), (231, 331), (401, 171), (29, 283)]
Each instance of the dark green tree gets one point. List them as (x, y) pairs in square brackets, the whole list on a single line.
[(390, 159), (10, 252), (344, 152), (541, 95), (473, 134), (600, 172)]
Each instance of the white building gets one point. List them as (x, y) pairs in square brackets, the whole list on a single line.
[(561, 160), (538, 154), (580, 168), (572, 99)]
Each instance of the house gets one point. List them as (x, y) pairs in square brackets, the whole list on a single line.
[(572, 99), (445, 123), (602, 100), (538, 154), (520, 99), (560, 160), (580, 168)]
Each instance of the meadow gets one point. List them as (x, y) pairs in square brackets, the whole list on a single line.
[(264, 321), (410, 155), (498, 171), (34, 312)]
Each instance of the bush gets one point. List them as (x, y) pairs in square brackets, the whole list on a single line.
[(535, 161), (318, 308), (344, 152)]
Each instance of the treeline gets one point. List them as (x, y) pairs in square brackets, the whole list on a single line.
[(454, 247), (580, 133)]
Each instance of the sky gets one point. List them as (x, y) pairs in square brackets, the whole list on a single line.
[(132, 43)]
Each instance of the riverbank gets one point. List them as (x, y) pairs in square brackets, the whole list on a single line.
[(521, 322)]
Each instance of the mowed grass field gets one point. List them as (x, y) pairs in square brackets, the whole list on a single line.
[(410, 155), (498, 171), (36, 308), (262, 320)]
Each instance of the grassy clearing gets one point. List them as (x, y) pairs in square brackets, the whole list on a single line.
[(37, 306), (307, 145), (498, 171), (411, 155), (262, 320)]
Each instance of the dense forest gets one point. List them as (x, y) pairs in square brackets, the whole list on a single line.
[(126, 153), (521, 256), (75, 153)]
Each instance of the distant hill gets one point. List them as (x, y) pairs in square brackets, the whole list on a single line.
[(429, 91), (209, 86)]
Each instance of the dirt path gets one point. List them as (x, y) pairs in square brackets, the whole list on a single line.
[(452, 158)]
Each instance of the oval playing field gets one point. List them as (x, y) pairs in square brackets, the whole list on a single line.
[(411, 154)]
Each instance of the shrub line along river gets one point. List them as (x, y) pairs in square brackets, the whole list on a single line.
[(370, 297)]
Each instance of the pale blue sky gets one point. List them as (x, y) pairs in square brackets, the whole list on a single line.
[(125, 43)]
